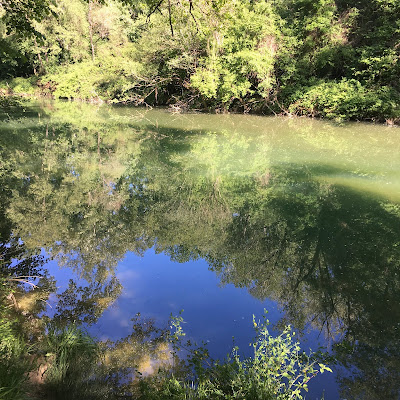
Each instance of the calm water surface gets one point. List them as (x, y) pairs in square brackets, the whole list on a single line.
[(220, 215)]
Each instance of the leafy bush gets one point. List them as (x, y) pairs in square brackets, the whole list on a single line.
[(278, 369), (118, 79), (346, 99), (241, 55), (20, 86)]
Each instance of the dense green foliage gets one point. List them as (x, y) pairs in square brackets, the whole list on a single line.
[(332, 58)]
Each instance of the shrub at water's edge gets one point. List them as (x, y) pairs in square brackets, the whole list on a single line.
[(68, 363), (346, 99), (278, 369), (340, 101)]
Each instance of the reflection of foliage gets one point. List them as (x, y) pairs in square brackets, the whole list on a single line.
[(72, 365), (86, 303), (276, 219), (375, 370), (137, 357), (324, 241)]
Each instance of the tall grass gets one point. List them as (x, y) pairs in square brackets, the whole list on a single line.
[(71, 356), (14, 363)]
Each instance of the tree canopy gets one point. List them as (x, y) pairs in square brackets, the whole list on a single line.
[(335, 59)]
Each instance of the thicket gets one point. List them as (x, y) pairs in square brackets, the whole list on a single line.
[(331, 58)]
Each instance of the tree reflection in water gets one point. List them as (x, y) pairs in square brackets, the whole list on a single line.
[(84, 186)]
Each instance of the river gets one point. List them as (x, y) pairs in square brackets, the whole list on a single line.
[(127, 210)]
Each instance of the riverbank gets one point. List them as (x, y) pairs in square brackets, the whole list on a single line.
[(335, 60), (346, 100)]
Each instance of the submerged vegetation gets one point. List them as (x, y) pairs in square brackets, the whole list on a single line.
[(330, 58)]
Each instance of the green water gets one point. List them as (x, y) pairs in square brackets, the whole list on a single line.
[(301, 212)]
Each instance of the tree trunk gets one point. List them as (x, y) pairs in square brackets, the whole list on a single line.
[(41, 67), (91, 27)]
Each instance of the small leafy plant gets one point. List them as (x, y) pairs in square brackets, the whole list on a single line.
[(278, 369)]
